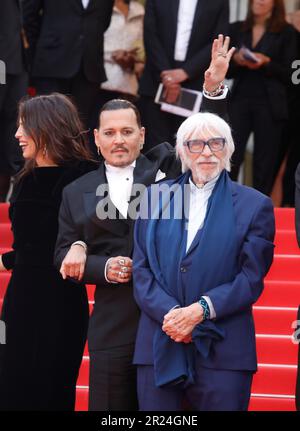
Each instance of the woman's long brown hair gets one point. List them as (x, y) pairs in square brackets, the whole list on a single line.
[(274, 24), (53, 122)]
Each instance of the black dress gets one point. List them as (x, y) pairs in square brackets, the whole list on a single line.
[(258, 101), (46, 317)]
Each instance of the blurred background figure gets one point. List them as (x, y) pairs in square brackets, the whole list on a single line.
[(66, 47), (177, 35), (291, 138), (12, 54), (123, 57), (259, 100), (123, 51)]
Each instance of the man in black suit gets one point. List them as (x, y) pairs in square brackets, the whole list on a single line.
[(66, 46), (95, 239), (177, 37), (13, 85)]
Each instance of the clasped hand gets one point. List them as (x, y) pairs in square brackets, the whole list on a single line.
[(179, 323)]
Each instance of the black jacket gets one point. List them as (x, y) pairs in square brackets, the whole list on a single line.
[(11, 46), (281, 47), (62, 35), (160, 26)]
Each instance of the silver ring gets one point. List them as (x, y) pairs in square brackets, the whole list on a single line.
[(120, 274), (169, 78), (124, 268), (121, 261), (221, 54)]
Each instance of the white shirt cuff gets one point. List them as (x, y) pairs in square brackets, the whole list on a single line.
[(81, 243), (211, 307), (105, 272)]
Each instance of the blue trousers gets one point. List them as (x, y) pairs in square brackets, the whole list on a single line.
[(213, 390)]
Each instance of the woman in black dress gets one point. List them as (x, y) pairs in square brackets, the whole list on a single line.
[(259, 95), (46, 317)]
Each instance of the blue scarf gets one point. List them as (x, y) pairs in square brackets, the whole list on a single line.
[(213, 259)]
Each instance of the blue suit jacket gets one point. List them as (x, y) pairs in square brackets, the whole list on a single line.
[(232, 301)]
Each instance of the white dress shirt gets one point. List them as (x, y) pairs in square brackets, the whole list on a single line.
[(197, 211), (85, 3), (120, 181), (186, 13)]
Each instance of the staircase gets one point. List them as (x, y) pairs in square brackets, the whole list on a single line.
[(274, 384)]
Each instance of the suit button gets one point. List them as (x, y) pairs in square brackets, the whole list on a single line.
[(183, 269)]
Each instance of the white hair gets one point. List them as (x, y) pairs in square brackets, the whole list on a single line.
[(204, 124)]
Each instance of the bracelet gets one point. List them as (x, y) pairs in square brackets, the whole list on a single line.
[(81, 243), (216, 92), (206, 310)]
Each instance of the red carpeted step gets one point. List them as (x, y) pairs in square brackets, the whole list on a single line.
[(259, 403), (271, 320), (4, 213), (90, 288), (275, 380), (285, 267), (4, 279), (286, 242), (6, 237), (285, 218), (83, 378), (4, 249), (82, 398), (280, 294), (276, 349)]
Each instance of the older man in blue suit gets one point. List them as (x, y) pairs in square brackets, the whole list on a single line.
[(201, 253)]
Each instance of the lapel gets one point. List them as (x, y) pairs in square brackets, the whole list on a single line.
[(171, 10), (77, 5), (144, 171), (265, 43), (91, 5), (196, 240), (94, 204), (196, 28)]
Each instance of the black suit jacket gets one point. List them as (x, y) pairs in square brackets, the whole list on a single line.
[(11, 45), (115, 315), (160, 26), (62, 34), (282, 48)]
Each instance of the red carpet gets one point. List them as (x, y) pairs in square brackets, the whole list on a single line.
[(274, 383)]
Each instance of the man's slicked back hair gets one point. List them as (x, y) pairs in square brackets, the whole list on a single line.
[(116, 104)]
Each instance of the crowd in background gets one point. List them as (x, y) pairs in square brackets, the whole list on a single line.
[(96, 51)]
